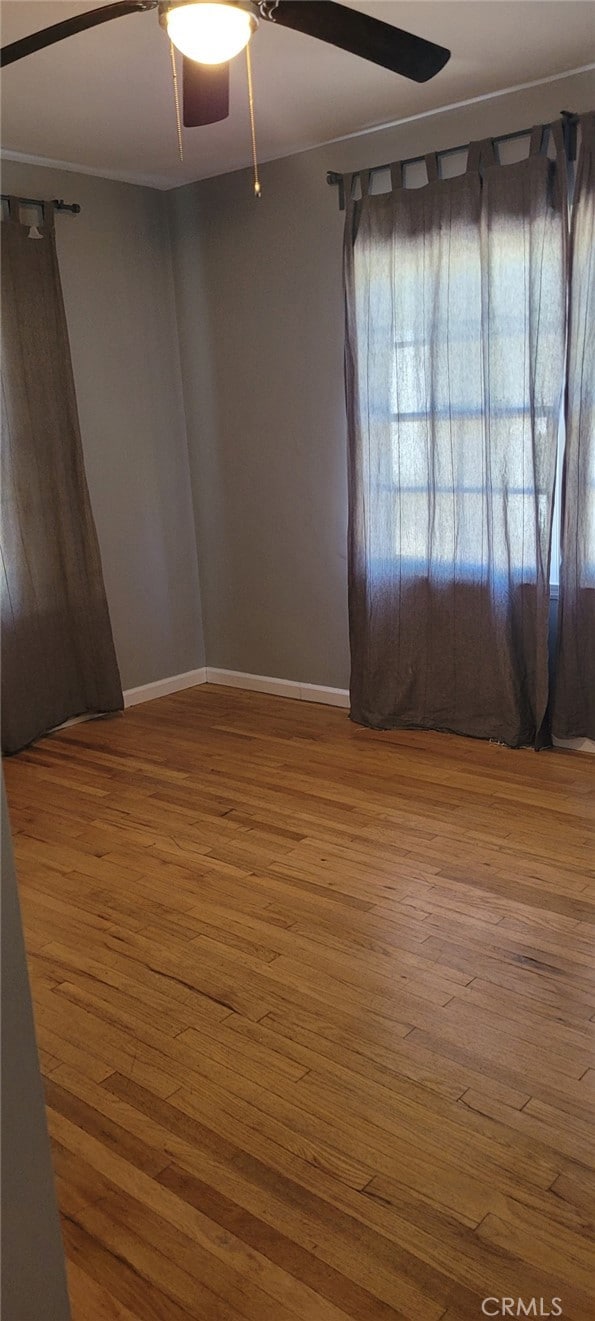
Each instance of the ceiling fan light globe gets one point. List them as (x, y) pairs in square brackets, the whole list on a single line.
[(209, 33)]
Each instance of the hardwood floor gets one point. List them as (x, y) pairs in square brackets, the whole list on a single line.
[(315, 1010)]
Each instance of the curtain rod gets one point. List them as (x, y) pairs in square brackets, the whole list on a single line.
[(336, 180), (36, 201)]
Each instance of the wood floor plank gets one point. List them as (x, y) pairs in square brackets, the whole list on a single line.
[(231, 1292), (316, 1011), (86, 1295)]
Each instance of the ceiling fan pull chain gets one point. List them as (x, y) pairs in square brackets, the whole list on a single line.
[(257, 187), (174, 74)]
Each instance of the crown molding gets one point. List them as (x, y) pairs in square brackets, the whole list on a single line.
[(160, 184), (94, 172), (460, 105)]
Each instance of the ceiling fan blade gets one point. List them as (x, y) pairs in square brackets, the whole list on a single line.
[(205, 93), (17, 50), (371, 38)]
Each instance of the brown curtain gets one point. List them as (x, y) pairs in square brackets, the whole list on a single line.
[(58, 656), (574, 698), (455, 316)]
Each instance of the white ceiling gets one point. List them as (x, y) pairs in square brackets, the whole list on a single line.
[(102, 100)]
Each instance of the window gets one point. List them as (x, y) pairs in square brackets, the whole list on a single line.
[(457, 405)]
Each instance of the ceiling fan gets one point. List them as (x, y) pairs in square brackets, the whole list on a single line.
[(209, 33)]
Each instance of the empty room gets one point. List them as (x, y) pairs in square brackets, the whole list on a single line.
[(298, 660)]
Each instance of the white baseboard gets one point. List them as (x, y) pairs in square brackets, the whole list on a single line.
[(576, 744), (78, 720), (162, 687), (259, 683)]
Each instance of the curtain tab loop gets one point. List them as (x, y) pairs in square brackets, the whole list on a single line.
[(396, 175), (44, 224), (558, 138), (49, 212), (537, 140), (432, 167), (14, 210), (346, 193), (364, 178), (480, 156)]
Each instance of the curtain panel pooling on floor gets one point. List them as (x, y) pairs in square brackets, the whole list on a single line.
[(58, 657), (455, 340), (574, 696)]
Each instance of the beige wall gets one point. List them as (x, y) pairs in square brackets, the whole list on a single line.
[(260, 320), (115, 265), (207, 342)]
